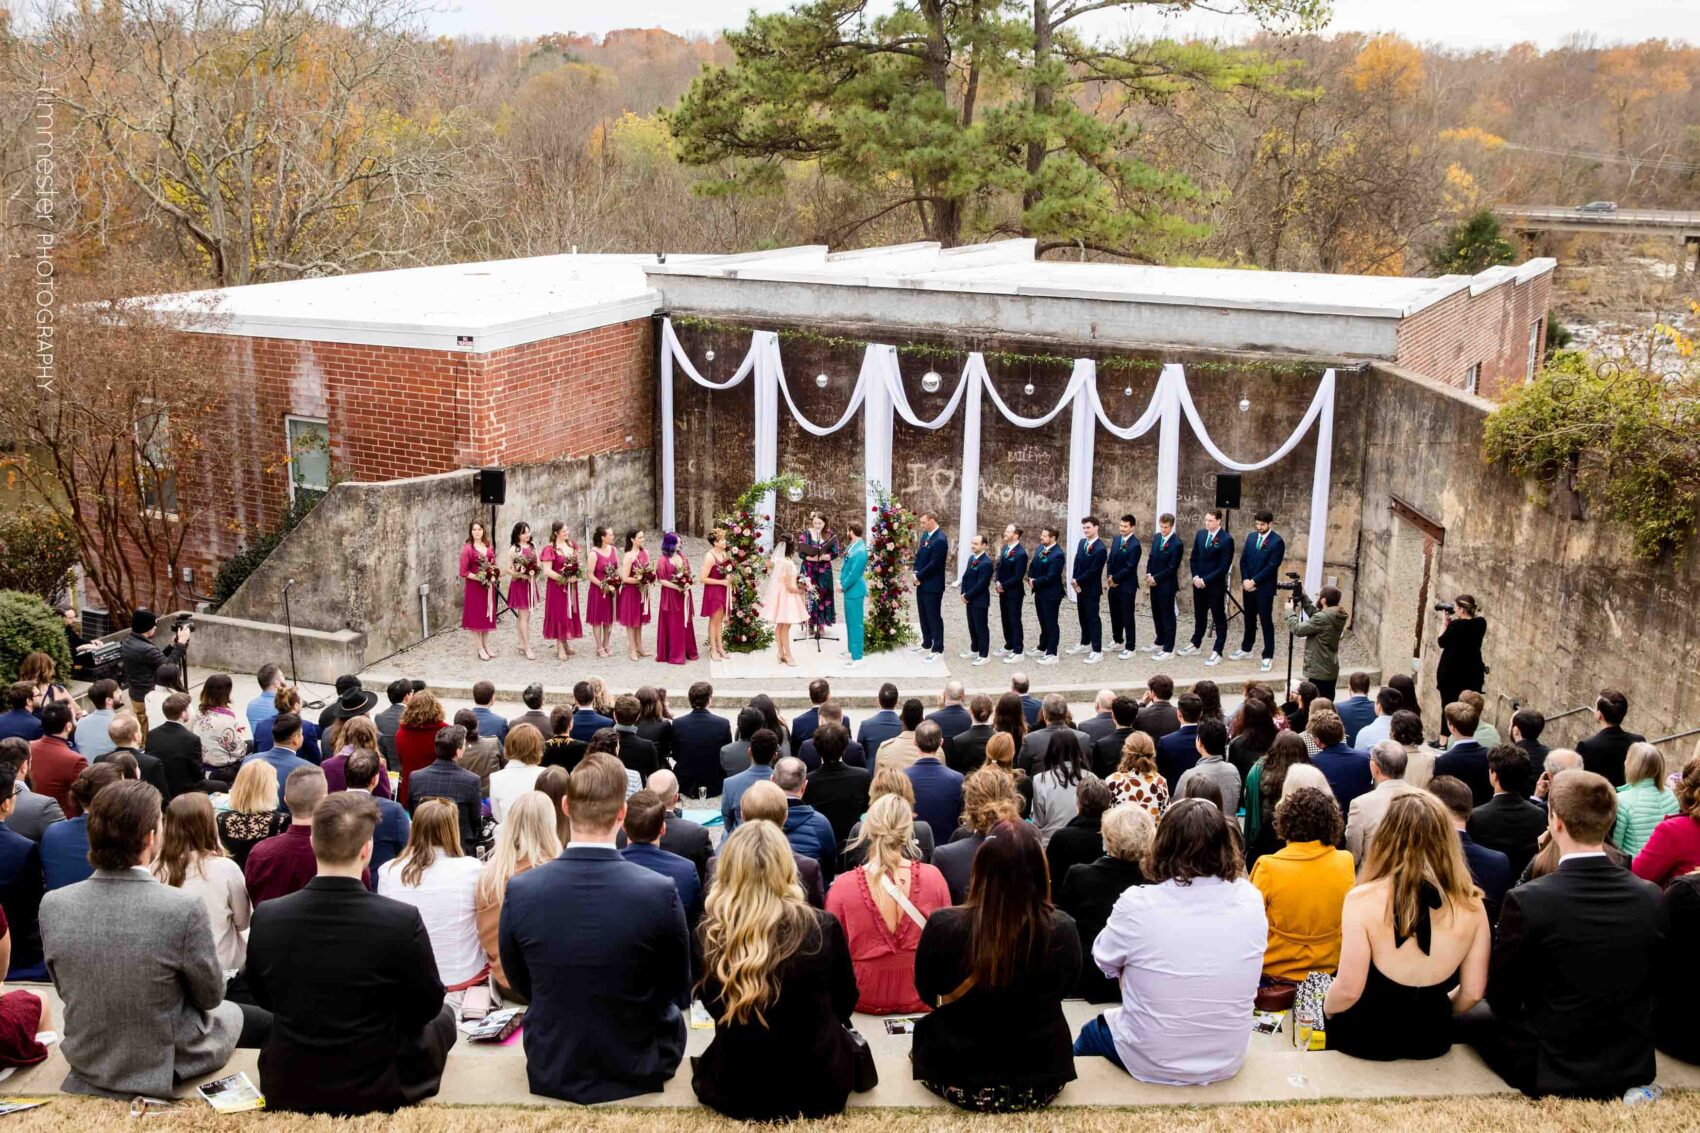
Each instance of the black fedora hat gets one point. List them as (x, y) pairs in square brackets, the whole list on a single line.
[(355, 702)]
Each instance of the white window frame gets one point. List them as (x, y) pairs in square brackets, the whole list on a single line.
[(1534, 351), (162, 418), (1473, 378), (289, 451)]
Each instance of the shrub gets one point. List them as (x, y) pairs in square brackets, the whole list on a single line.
[(29, 625), (239, 566), (37, 553)]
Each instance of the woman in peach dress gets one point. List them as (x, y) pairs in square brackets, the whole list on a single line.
[(784, 604)]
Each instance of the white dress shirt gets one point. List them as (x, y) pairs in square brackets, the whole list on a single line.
[(1188, 958), (447, 900), (509, 784), (1374, 732)]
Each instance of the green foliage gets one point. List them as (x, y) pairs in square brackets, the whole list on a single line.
[(1557, 338), (746, 632), (892, 536), (1474, 244), (1627, 442), (37, 552), (29, 625), (239, 566)]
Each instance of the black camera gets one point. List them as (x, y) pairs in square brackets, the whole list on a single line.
[(1292, 582), (1445, 608), (183, 621)]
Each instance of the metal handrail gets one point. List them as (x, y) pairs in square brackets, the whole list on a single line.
[(1676, 736)]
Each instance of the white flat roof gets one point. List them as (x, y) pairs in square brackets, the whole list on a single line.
[(475, 308)]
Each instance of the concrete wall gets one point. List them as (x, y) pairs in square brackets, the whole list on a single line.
[(1568, 611), (360, 557)]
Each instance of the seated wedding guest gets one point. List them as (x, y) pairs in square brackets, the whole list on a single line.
[(363, 772), (598, 946), (1304, 884), (1178, 749), (525, 840), (264, 705), (433, 876), (416, 737), (175, 746), (735, 755), (889, 781), (1346, 770), (834, 788), (20, 893), (764, 749), (356, 734), (882, 725), (1263, 788), (1089, 892), (20, 721), (646, 816), (988, 798), (553, 783), (1256, 732), (1000, 755), (637, 753), (1136, 778), (966, 750), (359, 1023), (1571, 986), (445, 779), (191, 859), (1673, 849), (482, 755), (288, 701), (1509, 822), (135, 965), (65, 845), (809, 752), (764, 802), (32, 813), (1489, 869), (900, 750), (1212, 744), (284, 863), (690, 840), (1081, 840), (23, 1014), (1186, 948), (808, 831), (1465, 759), (698, 736), (524, 749), (1415, 940), (1677, 1035), (1643, 801), (778, 982), (938, 789), (1387, 771), (1056, 720), (773, 721), (89, 736), (1406, 730), (54, 763), (560, 748), (283, 754), (224, 735), (1009, 716), (655, 722), (1054, 783), (254, 814), (883, 906), (997, 968)]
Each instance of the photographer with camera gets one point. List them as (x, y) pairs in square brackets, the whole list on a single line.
[(1460, 666), (142, 659), (1321, 626)]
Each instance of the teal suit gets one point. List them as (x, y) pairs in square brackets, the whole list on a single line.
[(853, 585)]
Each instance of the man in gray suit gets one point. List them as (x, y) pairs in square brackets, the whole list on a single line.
[(135, 964), (31, 813), (1053, 714)]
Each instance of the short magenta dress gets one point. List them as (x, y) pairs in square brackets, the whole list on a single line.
[(675, 636), (714, 597), (598, 603), (632, 609), (524, 593), (561, 621), (477, 611)]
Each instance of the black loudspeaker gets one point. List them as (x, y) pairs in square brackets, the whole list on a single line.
[(492, 485), (1227, 489)]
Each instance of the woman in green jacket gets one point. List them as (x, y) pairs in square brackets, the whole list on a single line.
[(1643, 801)]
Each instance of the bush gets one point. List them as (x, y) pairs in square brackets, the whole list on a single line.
[(29, 625), (37, 553)]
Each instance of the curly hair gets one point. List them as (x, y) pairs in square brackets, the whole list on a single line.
[(1139, 754), (1308, 815), (1688, 788)]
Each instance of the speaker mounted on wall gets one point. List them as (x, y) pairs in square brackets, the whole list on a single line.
[(491, 484), (1228, 489)]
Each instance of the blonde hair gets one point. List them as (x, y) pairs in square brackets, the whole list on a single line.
[(1128, 832), (755, 920), (1139, 755), (1414, 844), (888, 832), (764, 801), (524, 745), (988, 798), (255, 789), (527, 834), (888, 780), (423, 709), (1644, 761), (600, 698), (436, 830)]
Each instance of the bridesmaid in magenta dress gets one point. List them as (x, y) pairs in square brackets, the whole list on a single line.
[(560, 562), (603, 591), (525, 591), (716, 591), (675, 636), (478, 605), (632, 610)]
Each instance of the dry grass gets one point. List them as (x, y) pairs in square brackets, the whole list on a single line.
[(1473, 1115)]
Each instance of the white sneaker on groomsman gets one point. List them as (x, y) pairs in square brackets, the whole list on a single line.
[(1014, 658), (1266, 664), (967, 653), (1215, 658), (1161, 655), (1073, 649), (1239, 655), (1000, 651), (1048, 659), (1126, 655), (978, 661), (914, 649), (1092, 658), (1187, 652), (1152, 648)]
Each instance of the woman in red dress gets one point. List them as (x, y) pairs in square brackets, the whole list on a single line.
[(478, 604), (675, 636), (560, 562), (716, 591), (632, 610), (416, 737), (523, 592), (604, 590)]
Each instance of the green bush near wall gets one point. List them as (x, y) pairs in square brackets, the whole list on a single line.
[(29, 625)]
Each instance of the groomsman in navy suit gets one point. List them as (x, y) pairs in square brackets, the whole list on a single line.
[(1011, 574), (1162, 575), (1124, 585), (1259, 562), (1212, 559), (1045, 576), (977, 597), (930, 566), (1088, 583)]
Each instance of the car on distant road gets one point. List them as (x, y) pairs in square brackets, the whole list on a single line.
[(1598, 206)]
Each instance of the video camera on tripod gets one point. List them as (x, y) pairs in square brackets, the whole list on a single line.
[(1292, 584)]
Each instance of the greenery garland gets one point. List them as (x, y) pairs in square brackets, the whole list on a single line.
[(746, 632), (891, 533)]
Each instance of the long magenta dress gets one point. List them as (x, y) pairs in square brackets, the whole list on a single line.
[(675, 636), (714, 597), (631, 609), (561, 620), (476, 611), (598, 603), (523, 593)]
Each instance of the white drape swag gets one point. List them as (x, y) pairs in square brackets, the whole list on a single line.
[(880, 395)]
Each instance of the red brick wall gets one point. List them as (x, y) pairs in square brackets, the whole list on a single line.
[(576, 395), (1443, 341)]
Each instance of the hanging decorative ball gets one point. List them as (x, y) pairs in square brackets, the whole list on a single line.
[(822, 380), (794, 493), (1127, 391), (1027, 389), (708, 354), (930, 381), (1245, 404)]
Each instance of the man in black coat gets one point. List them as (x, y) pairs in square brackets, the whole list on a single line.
[(637, 753), (1571, 983), (830, 713), (803, 725), (1509, 822), (1603, 752), (1157, 715), (681, 836), (698, 736), (1107, 751), (176, 747), (837, 790), (358, 1019), (125, 733), (1526, 728), (1464, 758), (966, 750)]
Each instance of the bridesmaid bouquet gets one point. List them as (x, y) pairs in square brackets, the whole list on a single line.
[(568, 567), (683, 577), (526, 566), (645, 575), (610, 581), (488, 572)]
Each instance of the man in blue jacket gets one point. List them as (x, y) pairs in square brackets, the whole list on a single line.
[(1259, 563), (1045, 578), (1124, 585), (1162, 575), (1212, 558), (1011, 574), (977, 598), (1346, 770), (1088, 583), (807, 829), (931, 557)]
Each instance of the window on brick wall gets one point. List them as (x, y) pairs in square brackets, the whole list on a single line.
[(1473, 378), (309, 445), (1534, 351), (155, 476)]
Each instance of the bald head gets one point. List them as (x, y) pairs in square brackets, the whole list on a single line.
[(665, 784), (1561, 759), (790, 775), (1104, 699), (954, 692)]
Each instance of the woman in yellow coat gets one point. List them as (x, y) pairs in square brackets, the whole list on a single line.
[(1304, 886)]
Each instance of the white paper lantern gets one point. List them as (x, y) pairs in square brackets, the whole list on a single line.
[(709, 355), (930, 381), (1245, 405), (794, 493), (1127, 391), (821, 380), (1027, 389)]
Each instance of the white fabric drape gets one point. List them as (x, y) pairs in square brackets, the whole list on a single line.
[(671, 352), (968, 517), (767, 424), (1082, 437), (878, 362)]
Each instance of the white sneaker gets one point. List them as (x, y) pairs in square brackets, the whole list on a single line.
[(1126, 655), (1000, 651), (967, 654), (1161, 655), (1266, 664), (1073, 649), (1215, 658), (929, 658), (1187, 652), (1092, 658), (854, 663), (1048, 659), (1239, 655), (914, 649), (1013, 658), (1152, 648), (978, 661)]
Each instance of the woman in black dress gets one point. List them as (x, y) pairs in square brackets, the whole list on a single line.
[(1460, 666)]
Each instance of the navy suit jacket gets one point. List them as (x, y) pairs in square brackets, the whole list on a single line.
[(1491, 871), (953, 720), (698, 736), (1089, 566), (679, 869), (1046, 569), (930, 559), (1212, 563), (878, 728), (1165, 562), (1030, 709), (598, 945), (1259, 566), (1467, 760), (1124, 560), (587, 722), (977, 581), (1347, 772), (938, 796), (390, 837), (1176, 752), (1011, 565), (1355, 712)]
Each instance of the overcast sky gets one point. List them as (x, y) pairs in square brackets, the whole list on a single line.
[(1459, 23)]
